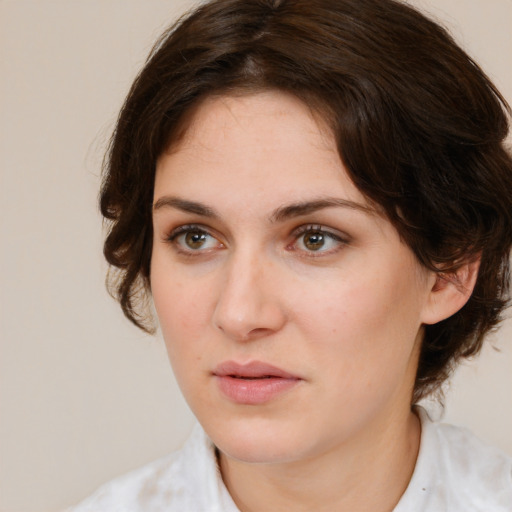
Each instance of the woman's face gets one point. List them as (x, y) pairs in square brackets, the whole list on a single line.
[(291, 310)]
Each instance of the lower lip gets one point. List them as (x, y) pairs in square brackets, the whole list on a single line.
[(254, 391)]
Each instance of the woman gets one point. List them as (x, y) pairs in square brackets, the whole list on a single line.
[(316, 196)]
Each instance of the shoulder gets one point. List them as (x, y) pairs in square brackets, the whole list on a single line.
[(185, 480), (133, 491), (481, 473), (456, 471)]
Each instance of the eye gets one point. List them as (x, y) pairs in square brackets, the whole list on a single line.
[(194, 239), (315, 239)]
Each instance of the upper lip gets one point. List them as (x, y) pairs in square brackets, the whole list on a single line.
[(253, 369)]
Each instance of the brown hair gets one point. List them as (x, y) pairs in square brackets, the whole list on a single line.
[(419, 127)]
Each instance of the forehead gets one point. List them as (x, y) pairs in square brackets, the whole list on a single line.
[(214, 116), (269, 141)]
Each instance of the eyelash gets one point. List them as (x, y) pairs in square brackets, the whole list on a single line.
[(296, 234), (317, 229), (183, 230)]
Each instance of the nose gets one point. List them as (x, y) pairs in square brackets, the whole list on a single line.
[(248, 305)]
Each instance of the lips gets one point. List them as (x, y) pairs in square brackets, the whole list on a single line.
[(252, 370), (253, 383)]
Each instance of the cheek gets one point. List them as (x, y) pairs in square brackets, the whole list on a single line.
[(182, 318), (364, 324), (363, 352), (182, 310), (341, 307)]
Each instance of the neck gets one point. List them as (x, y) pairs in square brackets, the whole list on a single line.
[(369, 473)]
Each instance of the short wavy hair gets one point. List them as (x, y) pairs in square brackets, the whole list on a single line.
[(419, 127)]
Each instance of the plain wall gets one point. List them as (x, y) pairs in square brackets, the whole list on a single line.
[(84, 396)]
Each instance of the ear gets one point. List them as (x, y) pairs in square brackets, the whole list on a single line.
[(450, 291)]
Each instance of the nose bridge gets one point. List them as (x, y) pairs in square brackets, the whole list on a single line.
[(248, 304)]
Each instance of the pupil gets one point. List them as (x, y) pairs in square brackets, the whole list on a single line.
[(195, 240), (314, 241)]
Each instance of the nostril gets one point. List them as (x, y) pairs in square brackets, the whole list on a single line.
[(260, 330), (247, 316)]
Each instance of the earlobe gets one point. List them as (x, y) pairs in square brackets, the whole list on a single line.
[(450, 291)]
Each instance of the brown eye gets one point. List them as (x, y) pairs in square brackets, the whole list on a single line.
[(195, 239), (314, 241)]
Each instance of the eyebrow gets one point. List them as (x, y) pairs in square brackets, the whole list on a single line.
[(185, 206), (281, 214), (304, 208)]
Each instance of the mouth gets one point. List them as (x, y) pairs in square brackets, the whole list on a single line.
[(251, 371), (253, 378), (253, 383)]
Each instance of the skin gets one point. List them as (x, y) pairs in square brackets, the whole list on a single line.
[(235, 277)]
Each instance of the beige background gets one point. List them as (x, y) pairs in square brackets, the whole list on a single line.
[(83, 395)]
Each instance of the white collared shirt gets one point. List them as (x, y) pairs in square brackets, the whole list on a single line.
[(454, 472)]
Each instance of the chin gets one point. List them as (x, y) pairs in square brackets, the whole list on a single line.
[(257, 452), (257, 442)]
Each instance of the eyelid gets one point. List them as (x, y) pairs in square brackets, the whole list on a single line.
[(319, 228), (342, 239), (339, 238), (187, 228)]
